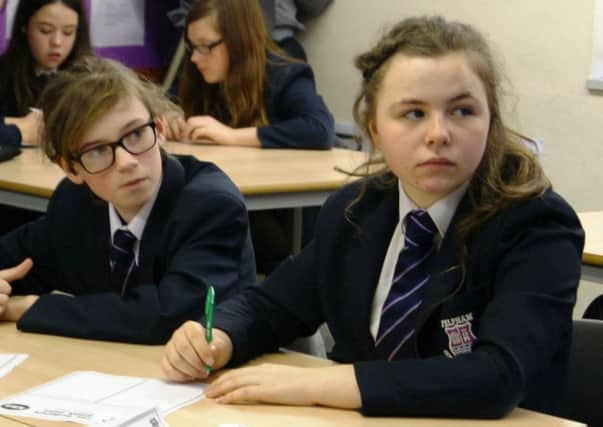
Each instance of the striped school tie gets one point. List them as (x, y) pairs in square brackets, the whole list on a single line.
[(122, 258), (398, 316)]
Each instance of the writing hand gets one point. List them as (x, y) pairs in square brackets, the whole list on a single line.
[(187, 352)]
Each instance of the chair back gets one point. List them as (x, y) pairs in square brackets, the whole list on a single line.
[(585, 392)]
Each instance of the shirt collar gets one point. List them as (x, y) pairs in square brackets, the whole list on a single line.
[(441, 212), (39, 72), (138, 223)]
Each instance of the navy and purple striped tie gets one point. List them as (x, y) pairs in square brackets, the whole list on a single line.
[(122, 257), (398, 316)]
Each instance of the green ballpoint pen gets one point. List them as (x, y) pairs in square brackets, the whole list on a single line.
[(209, 319)]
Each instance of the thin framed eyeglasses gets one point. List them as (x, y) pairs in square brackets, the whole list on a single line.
[(203, 49), (101, 157)]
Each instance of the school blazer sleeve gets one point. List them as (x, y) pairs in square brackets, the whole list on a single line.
[(202, 241), (297, 115), (30, 240), (9, 134), (291, 302), (284, 307)]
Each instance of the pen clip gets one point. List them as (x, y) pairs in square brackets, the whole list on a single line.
[(209, 301)]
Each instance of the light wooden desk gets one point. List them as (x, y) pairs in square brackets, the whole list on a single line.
[(5, 422), (592, 257), (269, 179), (51, 357)]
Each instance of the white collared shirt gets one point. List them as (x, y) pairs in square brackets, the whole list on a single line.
[(136, 226), (441, 212), (39, 72)]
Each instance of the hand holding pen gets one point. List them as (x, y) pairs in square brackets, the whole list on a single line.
[(193, 349)]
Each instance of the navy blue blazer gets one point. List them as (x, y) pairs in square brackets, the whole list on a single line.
[(9, 134), (297, 115), (484, 344), (8, 97), (196, 235)]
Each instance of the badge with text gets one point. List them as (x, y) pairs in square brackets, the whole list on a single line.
[(460, 335)]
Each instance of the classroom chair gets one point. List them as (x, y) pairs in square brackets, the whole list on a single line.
[(348, 135), (585, 389), (594, 309)]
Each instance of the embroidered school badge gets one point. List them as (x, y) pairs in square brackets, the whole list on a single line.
[(460, 335)]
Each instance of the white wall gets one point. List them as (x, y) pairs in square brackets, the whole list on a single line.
[(546, 49)]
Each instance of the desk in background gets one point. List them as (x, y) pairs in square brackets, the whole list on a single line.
[(592, 257), (267, 178), (51, 356)]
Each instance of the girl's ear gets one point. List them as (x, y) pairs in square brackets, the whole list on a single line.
[(373, 134), (71, 173)]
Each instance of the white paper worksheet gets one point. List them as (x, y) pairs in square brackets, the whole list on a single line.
[(88, 397), (8, 361)]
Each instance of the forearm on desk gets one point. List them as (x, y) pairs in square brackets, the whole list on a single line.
[(247, 137), (17, 306)]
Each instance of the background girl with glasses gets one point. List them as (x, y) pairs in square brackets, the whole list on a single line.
[(238, 88)]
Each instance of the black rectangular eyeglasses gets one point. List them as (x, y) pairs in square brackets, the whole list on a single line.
[(101, 157), (203, 49)]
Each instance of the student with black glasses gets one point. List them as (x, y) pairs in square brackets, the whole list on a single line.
[(133, 236)]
